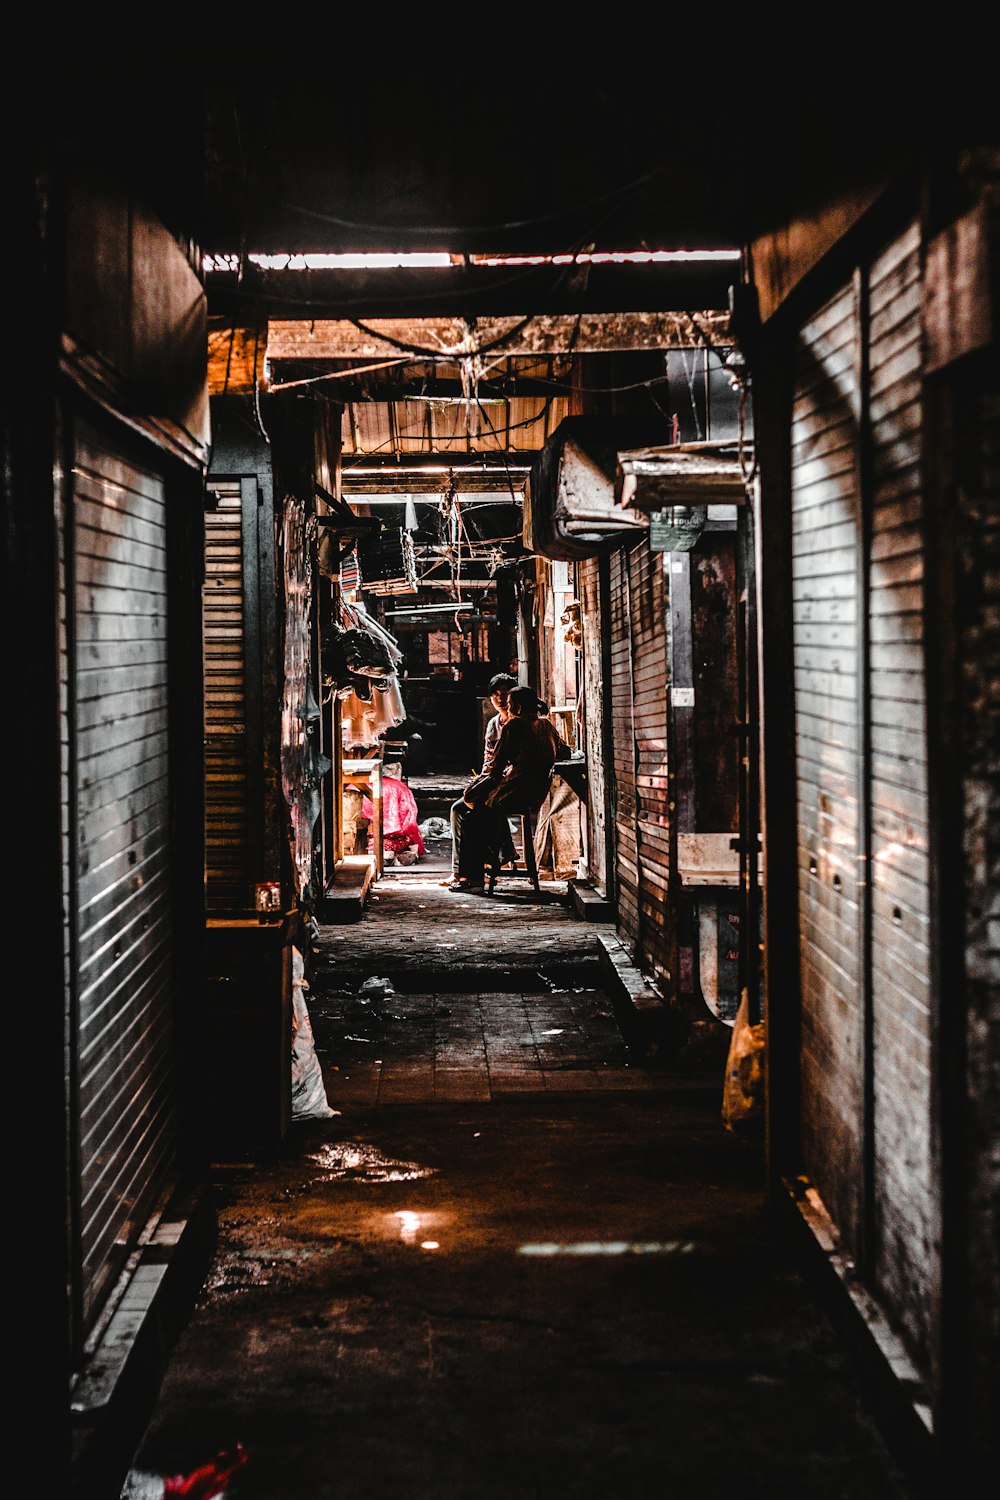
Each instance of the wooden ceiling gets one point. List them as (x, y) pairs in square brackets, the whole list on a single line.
[(370, 165), (435, 161)]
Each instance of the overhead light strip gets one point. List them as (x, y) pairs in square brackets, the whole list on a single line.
[(430, 609), (381, 471), (440, 259), (419, 259), (432, 497), (607, 258)]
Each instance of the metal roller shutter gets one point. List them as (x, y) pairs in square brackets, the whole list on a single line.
[(623, 733), (119, 924), (904, 1199), (861, 756), (595, 687), (827, 619), (648, 613), (228, 873)]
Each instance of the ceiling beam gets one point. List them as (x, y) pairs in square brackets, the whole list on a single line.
[(450, 338), (431, 473)]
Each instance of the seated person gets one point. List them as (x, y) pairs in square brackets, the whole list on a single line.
[(515, 782), (500, 686)]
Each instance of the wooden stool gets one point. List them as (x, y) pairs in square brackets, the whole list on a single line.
[(526, 864)]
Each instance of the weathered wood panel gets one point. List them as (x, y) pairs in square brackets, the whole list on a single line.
[(826, 530), (118, 787)]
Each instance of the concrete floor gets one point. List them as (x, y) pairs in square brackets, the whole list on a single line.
[(516, 1262)]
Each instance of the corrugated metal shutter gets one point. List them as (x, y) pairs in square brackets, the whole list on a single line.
[(627, 859), (827, 620), (648, 611), (866, 973), (118, 811), (228, 873), (594, 709), (905, 1203)]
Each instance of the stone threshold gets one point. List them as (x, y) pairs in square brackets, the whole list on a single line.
[(898, 1390), (112, 1397)]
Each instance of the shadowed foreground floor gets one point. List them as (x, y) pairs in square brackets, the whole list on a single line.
[(512, 1265)]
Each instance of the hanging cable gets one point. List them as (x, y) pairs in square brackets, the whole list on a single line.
[(748, 475), (503, 452), (256, 386), (688, 368), (456, 354), (613, 196)]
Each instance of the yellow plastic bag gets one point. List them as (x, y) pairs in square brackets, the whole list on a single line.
[(743, 1090)]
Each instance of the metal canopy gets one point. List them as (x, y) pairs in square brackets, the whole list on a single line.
[(680, 474), (570, 509)]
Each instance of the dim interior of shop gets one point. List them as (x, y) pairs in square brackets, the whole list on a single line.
[(451, 404), (443, 576)]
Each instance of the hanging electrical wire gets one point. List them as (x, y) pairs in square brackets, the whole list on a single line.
[(457, 354), (385, 364), (256, 386), (460, 294), (741, 381), (503, 454), (451, 531), (707, 341), (688, 368), (359, 457), (613, 196)]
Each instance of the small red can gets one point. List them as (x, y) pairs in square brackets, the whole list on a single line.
[(268, 895)]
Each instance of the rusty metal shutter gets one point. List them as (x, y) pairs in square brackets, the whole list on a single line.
[(904, 1199), (623, 731), (862, 787), (120, 914), (648, 620), (228, 852), (827, 624), (599, 773)]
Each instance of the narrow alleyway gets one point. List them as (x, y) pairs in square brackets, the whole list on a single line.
[(516, 1262)]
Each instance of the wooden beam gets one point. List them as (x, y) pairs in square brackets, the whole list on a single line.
[(432, 473), (235, 356), (340, 338)]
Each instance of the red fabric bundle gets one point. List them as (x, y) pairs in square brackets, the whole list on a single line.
[(399, 816)]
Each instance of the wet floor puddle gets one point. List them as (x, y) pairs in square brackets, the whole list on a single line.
[(355, 1161)]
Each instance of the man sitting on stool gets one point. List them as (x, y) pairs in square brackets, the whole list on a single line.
[(500, 686), (518, 779)]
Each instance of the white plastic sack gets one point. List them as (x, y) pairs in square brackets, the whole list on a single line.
[(309, 1101)]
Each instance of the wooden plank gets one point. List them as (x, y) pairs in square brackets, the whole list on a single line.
[(236, 359)]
